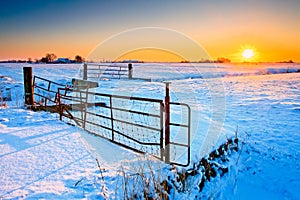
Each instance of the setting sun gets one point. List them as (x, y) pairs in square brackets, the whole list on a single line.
[(248, 53)]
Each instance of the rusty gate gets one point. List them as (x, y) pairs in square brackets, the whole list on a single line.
[(144, 125)]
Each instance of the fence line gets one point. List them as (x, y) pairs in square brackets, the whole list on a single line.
[(94, 71), (119, 119), (45, 92), (141, 124)]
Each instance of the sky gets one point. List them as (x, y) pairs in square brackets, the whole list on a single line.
[(223, 28)]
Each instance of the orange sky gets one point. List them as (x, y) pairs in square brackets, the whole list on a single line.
[(222, 28)]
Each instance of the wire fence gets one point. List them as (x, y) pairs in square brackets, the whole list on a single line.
[(144, 125), (94, 71), (45, 92), (136, 123)]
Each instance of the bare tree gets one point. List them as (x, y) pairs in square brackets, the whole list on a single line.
[(79, 59), (50, 57)]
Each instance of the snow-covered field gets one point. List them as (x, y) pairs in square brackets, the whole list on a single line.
[(41, 157)]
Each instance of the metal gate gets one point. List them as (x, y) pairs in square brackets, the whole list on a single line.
[(93, 71), (132, 122), (180, 137), (153, 126), (45, 93)]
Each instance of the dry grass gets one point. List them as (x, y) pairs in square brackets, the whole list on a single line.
[(142, 181)]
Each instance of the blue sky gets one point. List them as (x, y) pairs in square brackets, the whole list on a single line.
[(33, 28)]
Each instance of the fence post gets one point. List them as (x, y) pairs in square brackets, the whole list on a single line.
[(167, 123), (60, 110), (130, 70), (85, 107), (28, 86), (112, 119), (84, 71)]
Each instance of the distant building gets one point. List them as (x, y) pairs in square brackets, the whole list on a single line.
[(63, 61)]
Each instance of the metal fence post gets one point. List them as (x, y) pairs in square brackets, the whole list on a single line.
[(60, 109), (161, 141), (84, 71), (167, 123), (130, 70), (28, 86), (112, 118)]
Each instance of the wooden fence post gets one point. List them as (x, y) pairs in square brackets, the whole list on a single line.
[(28, 86), (167, 123), (130, 70), (84, 71), (60, 108)]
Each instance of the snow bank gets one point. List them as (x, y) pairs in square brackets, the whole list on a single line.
[(43, 158)]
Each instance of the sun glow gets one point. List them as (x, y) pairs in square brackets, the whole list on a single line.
[(248, 53)]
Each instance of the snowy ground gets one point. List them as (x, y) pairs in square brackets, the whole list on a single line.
[(42, 157)]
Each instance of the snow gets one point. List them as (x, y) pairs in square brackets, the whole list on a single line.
[(42, 157)]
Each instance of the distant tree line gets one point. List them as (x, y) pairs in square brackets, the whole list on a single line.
[(219, 60), (51, 58), (48, 58)]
